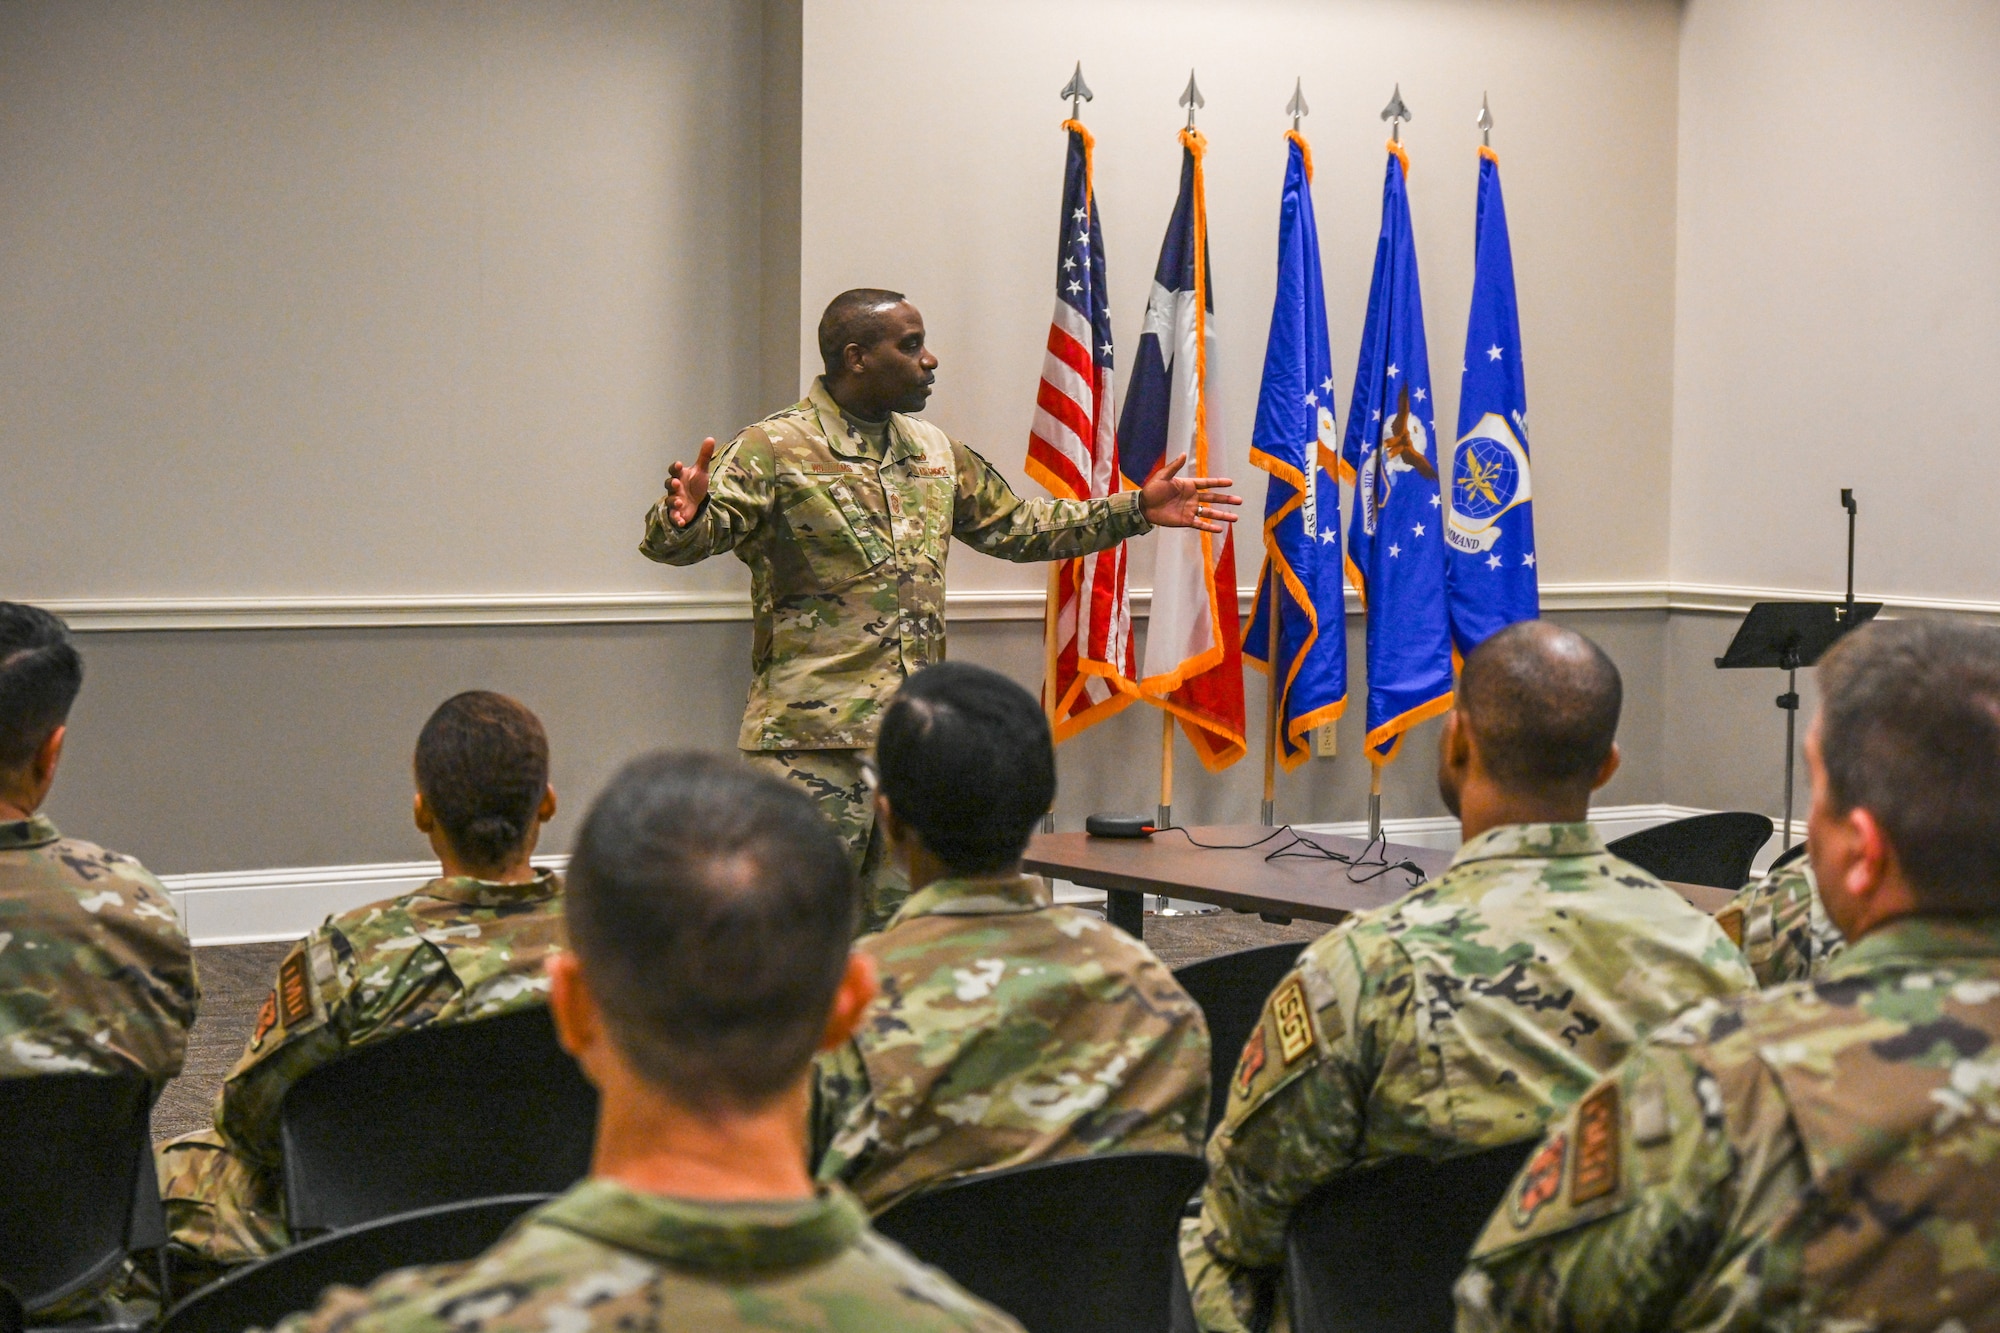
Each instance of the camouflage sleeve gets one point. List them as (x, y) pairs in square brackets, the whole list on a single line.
[(1635, 1211), (739, 497), (1295, 1119), (397, 1294), (843, 1113), (144, 939), (302, 1025), (990, 518), (1782, 926)]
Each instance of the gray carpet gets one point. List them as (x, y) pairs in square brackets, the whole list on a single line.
[(236, 977)]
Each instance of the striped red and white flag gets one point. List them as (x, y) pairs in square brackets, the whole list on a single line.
[(1073, 450)]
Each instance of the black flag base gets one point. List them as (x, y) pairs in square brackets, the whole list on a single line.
[(1790, 635)]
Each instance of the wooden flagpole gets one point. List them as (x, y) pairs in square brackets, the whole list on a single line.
[(1374, 798), (1270, 812), (1165, 818), (1051, 687)]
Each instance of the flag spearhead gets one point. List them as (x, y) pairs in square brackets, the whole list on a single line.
[(1297, 108), (1192, 99), (1396, 113)]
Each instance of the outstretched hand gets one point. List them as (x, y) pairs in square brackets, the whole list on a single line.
[(687, 485), (1170, 501)]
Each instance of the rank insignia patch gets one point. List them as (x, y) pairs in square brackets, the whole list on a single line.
[(1294, 1018), (1596, 1146), (294, 993), (1541, 1180)]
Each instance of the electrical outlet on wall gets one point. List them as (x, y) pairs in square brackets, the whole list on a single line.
[(1326, 740)]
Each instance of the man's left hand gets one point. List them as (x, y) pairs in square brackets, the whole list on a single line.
[(1169, 501)]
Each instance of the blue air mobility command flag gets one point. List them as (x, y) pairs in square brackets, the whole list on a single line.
[(1294, 441), (1194, 659), (1490, 532), (1395, 539)]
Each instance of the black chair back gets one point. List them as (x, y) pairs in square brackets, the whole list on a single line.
[(79, 1159), (439, 1115), (1797, 852), (265, 1292), (1231, 990), (1715, 850), (1087, 1243), (1377, 1251)]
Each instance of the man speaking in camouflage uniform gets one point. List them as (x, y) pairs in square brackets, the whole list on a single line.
[(844, 507), (1474, 1010), (468, 945), (1010, 1030), (1825, 1155), (709, 914)]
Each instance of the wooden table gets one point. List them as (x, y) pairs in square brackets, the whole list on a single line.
[(1248, 879)]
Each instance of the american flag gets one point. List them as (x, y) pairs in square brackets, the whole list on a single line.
[(1073, 450)]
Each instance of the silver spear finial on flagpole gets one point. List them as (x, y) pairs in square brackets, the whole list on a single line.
[(1192, 98), (1077, 91), (1297, 108), (1485, 122), (1396, 113)]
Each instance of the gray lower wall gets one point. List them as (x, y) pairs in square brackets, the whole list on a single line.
[(208, 751)]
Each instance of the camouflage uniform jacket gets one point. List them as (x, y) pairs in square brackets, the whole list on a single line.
[(454, 950), (606, 1257), (1824, 1156), (95, 971), (1009, 1030), (1465, 1015), (1782, 926), (847, 550)]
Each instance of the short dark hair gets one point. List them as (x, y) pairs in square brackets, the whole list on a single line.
[(1909, 721), (482, 764), (967, 762), (710, 907), (854, 316), (40, 674), (1543, 703)]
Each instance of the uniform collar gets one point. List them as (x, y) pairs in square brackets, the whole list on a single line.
[(472, 892), (843, 439), (34, 831), (1538, 840), (692, 1233), (977, 895), (1920, 940)]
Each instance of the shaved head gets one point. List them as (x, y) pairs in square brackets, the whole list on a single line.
[(1542, 703), (855, 318)]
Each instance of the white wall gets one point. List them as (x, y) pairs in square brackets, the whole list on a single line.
[(319, 298), (1838, 295), (932, 164)]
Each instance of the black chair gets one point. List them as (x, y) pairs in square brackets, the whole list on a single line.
[(293, 1279), (1231, 991), (1785, 858), (1377, 1251), (1086, 1243), (77, 1185), (1715, 850), (439, 1115)]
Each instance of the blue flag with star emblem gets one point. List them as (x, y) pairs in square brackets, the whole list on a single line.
[(1395, 538), (1489, 536), (1293, 440)]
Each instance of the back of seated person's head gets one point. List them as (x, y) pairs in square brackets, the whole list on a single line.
[(482, 769), (709, 909), (1909, 731), (40, 675), (967, 764), (1541, 703)]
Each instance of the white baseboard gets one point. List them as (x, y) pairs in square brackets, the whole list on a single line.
[(258, 906)]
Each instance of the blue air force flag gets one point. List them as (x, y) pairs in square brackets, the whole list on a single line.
[(1395, 539), (1490, 531), (1294, 441)]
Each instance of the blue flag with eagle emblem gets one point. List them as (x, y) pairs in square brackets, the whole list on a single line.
[(1293, 440), (1490, 532), (1395, 537)]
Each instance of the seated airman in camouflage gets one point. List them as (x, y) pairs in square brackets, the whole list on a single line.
[(710, 909), (96, 975), (1824, 1155), (465, 946), (1010, 1030), (1782, 925), (1474, 1010)]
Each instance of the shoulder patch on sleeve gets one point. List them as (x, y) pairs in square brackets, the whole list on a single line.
[(1294, 1020), (1730, 919), (1540, 1181), (295, 1003), (1597, 1130), (1251, 1062), (267, 1018)]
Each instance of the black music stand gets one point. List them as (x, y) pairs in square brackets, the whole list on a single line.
[(1790, 635)]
